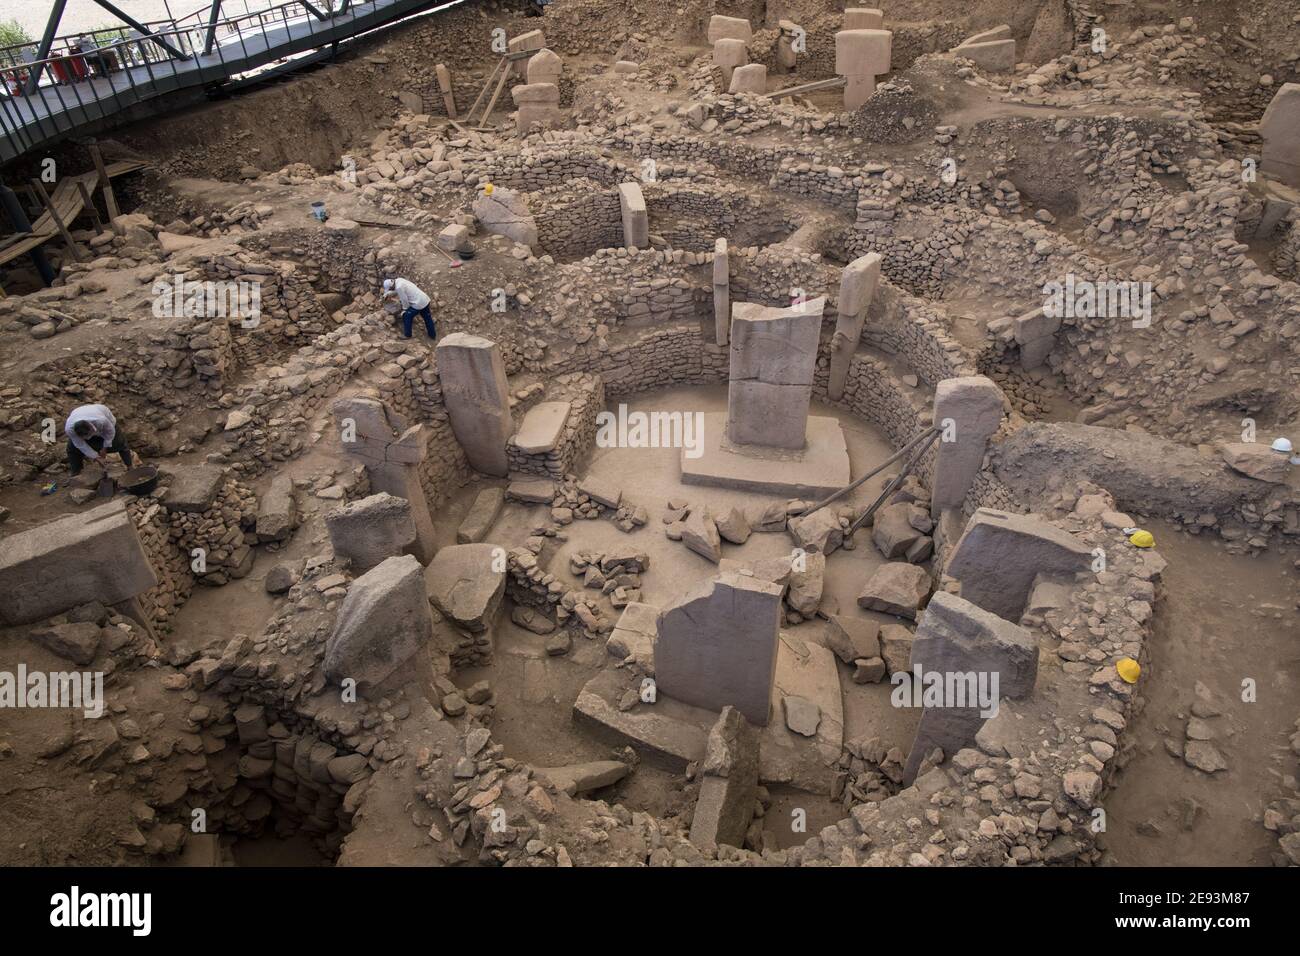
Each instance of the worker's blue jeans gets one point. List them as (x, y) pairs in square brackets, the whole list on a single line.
[(408, 317)]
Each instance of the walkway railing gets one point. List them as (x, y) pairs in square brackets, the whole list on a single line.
[(81, 86)]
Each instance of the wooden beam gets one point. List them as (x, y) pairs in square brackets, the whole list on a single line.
[(88, 201), (58, 221), (501, 85), (483, 92), (106, 184), (807, 88)]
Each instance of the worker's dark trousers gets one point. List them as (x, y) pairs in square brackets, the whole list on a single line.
[(76, 460), (408, 317)]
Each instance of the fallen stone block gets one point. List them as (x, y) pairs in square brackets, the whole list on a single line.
[(729, 784), (807, 579), (1000, 554), (896, 588), (383, 622), (852, 638), (750, 78), (75, 642), (1257, 460), (893, 532), (481, 516), (576, 778), (194, 488), (634, 635), (277, 511), (466, 583), (819, 531), (700, 534), (534, 491), (93, 555), (371, 530), (896, 648), (601, 491)]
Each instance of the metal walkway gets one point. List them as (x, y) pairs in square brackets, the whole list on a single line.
[(239, 44)]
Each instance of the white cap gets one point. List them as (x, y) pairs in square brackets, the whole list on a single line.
[(388, 285), (1283, 445)]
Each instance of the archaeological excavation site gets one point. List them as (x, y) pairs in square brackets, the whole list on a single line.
[(690, 433)]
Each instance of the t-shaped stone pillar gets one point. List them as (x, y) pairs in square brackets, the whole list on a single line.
[(545, 66), (863, 18), (969, 410), (861, 56), (857, 289), (391, 450), (477, 398), (787, 57)]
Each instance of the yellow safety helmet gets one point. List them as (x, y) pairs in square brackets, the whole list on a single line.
[(487, 189), (1129, 669), (1142, 539)]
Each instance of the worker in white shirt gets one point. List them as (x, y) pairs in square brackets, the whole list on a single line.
[(413, 302), (92, 433)]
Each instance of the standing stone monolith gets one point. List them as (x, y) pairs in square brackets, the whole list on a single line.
[(857, 289), (391, 451), (963, 647), (1280, 130), (721, 292), (773, 359), (969, 408), (717, 645), (477, 397), (636, 220)]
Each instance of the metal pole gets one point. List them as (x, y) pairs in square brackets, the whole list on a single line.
[(47, 41), (895, 483), (212, 26), (117, 12), (18, 219), (874, 471)]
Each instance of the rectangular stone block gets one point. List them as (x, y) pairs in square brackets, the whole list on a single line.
[(729, 784), (729, 28), (994, 56), (750, 78), (370, 530), (542, 428), (1000, 555), (863, 52), (717, 646), (93, 555), (863, 18)]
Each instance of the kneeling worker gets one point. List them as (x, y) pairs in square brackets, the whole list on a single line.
[(92, 432), (413, 301)]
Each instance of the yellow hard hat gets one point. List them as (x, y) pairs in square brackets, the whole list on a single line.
[(1129, 669), (1142, 539), (487, 189)]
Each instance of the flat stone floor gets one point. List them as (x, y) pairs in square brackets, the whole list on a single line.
[(817, 470)]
